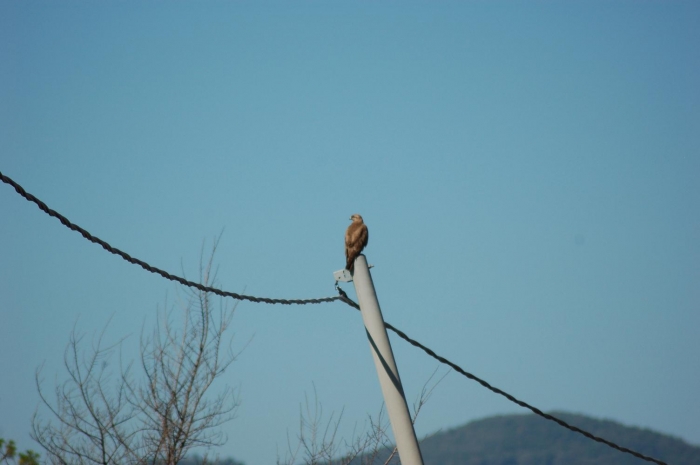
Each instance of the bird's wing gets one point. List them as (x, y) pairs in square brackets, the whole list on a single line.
[(351, 235), (363, 236)]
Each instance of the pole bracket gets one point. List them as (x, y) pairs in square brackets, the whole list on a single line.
[(342, 275)]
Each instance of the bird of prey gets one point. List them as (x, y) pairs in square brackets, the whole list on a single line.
[(355, 240)]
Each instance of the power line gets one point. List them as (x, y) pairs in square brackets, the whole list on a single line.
[(21, 191), (344, 297)]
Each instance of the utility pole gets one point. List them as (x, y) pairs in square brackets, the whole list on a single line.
[(394, 397)]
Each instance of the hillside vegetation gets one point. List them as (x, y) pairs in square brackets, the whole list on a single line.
[(531, 440)]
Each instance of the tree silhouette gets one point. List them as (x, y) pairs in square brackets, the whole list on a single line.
[(151, 415)]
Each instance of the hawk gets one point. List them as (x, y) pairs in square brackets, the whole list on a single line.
[(355, 240)]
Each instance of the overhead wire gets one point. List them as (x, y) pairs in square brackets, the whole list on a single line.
[(113, 250), (460, 370), (342, 296)]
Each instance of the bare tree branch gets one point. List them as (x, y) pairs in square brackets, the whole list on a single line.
[(101, 417), (319, 444)]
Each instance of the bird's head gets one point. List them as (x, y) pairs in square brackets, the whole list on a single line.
[(356, 217)]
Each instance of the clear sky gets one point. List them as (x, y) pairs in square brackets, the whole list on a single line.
[(529, 173)]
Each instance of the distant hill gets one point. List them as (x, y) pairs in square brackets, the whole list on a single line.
[(532, 440), (197, 460)]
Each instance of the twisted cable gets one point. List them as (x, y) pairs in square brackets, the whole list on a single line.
[(113, 250), (344, 297)]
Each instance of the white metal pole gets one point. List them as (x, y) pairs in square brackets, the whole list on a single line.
[(389, 379)]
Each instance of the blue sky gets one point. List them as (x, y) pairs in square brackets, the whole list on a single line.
[(528, 172)]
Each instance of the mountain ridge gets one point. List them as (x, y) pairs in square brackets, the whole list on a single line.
[(527, 439)]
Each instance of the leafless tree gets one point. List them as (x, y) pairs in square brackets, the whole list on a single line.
[(423, 398), (317, 442), (153, 414)]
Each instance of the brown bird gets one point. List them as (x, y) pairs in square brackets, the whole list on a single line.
[(356, 238)]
